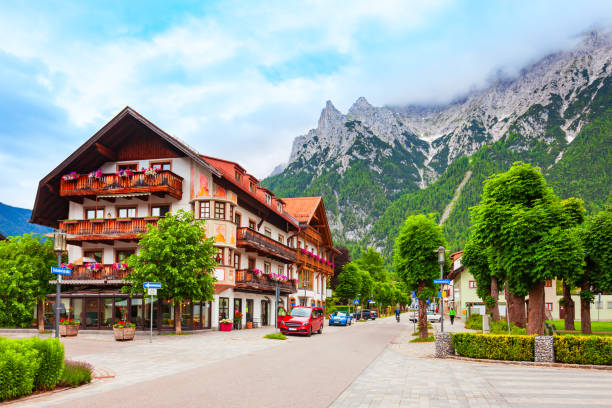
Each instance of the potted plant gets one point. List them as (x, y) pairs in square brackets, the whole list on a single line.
[(237, 320), (70, 176), (225, 324), (69, 327), (249, 325), (124, 330), (151, 171)]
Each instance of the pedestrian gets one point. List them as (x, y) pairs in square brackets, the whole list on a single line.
[(397, 314), (452, 314)]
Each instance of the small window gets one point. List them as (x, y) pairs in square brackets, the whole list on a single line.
[(94, 213), (280, 270), (123, 254), (126, 166), (220, 255), (548, 284), (127, 212), (231, 214), (267, 267), (160, 210), (251, 263), (162, 165), (268, 199), (96, 255), (238, 219), (252, 224), (279, 206), (237, 261), (609, 305), (238, 176), (472, 284), (549, 306), (220, 211), (281, 238), (204, 209), (267, 232), (252, 187)]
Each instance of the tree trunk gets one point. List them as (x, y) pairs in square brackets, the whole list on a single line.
[(585, 312), (569, 307), (515, 305), (535, 321), (177, 317), (494, 311), (40, 315), (422, 313)]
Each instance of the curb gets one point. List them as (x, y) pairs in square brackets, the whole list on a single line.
[(534, 364)]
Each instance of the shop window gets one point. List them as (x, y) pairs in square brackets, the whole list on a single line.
[(92, 213), (160, 210), (166, 165), (219, 211), (126, 212), (472, 284), (204, 209), (223, 308)]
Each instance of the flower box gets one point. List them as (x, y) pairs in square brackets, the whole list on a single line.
[(125, 333), (97, 220), (225, 326), (124, 219), (69, 330), (151, 218)]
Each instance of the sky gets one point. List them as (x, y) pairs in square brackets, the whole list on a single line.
[(241, 80)]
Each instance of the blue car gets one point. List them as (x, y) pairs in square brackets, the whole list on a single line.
[(340, 318)]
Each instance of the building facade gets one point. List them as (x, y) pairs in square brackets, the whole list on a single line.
[(128, 176)]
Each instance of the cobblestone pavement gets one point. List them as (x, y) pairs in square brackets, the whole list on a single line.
[(407, 375)]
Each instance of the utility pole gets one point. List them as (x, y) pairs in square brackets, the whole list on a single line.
[(441, 254)]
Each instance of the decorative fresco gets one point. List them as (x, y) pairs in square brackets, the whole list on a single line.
[(203, 191), (220, 192), (220, 233)]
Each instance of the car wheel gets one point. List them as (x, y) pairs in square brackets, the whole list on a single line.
[(320, 329), (309, 331)]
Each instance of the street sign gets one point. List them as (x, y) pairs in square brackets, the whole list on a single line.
[(152, 285), (441, 281), (151, 292), (60, 271), (356, 301)]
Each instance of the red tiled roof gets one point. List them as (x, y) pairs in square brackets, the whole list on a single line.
[(302, 208)]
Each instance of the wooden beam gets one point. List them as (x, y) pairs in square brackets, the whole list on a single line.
[(109, 199), (106, 152), (51, 189)]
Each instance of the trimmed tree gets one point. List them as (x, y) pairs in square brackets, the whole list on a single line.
[(25, 271), (476, 258), (349, 283), (176, 253), (416, 260)]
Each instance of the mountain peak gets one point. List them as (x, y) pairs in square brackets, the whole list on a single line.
[(329, 115)]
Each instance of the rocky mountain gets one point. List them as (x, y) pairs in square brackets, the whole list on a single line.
[(374, 165)]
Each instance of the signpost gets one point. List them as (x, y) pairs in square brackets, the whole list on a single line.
[(56, 270), (441, 281), (151, 288)]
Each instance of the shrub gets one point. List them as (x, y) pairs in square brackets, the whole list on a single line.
[(18, 365), (474, 322), (51, 354), (494, 346), (583, 349), (76, 373), (276, 336), (501, 327)]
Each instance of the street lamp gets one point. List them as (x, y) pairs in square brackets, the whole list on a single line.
[(441, 254), (59, 246)]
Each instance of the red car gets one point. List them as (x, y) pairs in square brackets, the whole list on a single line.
[(303, 320)]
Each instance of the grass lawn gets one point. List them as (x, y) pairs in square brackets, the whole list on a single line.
[(595, 325), (423, 340)]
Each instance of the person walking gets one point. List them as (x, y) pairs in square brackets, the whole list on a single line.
[(452, 315)]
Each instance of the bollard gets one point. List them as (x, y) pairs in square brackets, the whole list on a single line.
[(486, 323)]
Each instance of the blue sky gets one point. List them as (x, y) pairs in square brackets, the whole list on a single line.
[(240, 80)]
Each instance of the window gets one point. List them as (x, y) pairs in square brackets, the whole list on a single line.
[(123, 254), (231, 214), (126, 212), (238, 176), (204, 209), (251, 263), (609, 305), (281, 238), (252, 187), (279, 206), (548, 283), (160, 210), (472, 284), (161, 165), (267, 232), (252, 224), (238, 219), (220, 256), (300, 244), (94, 213), (236, 261), (220, 211), (125, 166), (290, 242), (280, 270), (223, 308), (549, 306), (95, 254), (268, 199), (305, 280), (267, 267)]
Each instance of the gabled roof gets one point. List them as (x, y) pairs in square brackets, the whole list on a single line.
[(49, 207), (302, 208)]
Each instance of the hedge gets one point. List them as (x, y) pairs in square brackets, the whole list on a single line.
[(494, 346), (595, 350), (29, 364)]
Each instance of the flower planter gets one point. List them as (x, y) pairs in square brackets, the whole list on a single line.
[(124, 219), (69, 330), (96, 221), (225, 326), (249, 325), (126, 333)]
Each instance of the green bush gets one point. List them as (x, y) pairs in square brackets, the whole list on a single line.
[(501, 327), (494, 346), (583, 349), (474, 322), (275, 336), (76, 373), (18, 365), (51, 353)]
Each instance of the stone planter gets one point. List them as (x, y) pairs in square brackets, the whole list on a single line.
[(69, 330), (126, 333)]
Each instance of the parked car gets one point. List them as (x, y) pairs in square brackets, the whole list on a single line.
[(340, 318), (414, 317), (373, 314), (363, 314), (303, 320), (433, 316)]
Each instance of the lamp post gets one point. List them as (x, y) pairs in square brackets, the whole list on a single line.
[(441, 254), (59, 246)]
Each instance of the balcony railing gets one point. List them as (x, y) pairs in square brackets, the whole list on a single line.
[(106, 273), (247, 280), (247, 238), (312, 263), (106, 229), (163, 182)]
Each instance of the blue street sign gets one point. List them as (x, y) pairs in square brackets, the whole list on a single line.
[(60, 271), (356, 301), (152, 285), (414, 296), (439, 295), (441, 281)]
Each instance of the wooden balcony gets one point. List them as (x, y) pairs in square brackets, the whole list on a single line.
[(105, 230), (165, 182), (313, 264), (265, 246), (81, 274), (248, 281)]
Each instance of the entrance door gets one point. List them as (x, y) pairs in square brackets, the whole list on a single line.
[(92, 313), (237, 313), (249, 310), (265, 306)]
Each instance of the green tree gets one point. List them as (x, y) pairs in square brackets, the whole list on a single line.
[(416, 260), (349, 282), (366, 286), (373, 262), (25, 271), (597, 277), (176, 253), (476, 258)]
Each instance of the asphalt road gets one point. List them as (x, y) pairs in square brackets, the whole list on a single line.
[(306, 372)]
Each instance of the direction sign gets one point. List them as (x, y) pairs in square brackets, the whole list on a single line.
[(60, 271), (441, 281), (151, 292), (356, 301), (152, 285)]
